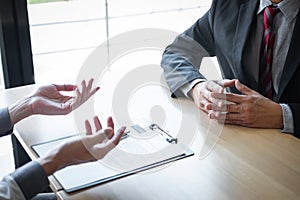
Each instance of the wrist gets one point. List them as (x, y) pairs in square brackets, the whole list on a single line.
[(193, 93), (55, 160), (51, 162), (20, 110), (49, 165)]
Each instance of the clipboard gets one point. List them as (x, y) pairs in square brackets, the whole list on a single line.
[(145, 148)]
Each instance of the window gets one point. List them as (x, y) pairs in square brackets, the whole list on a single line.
[(64, 33)]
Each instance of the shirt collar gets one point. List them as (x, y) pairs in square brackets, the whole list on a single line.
[(289, 8)]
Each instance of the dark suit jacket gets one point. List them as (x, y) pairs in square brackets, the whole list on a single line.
[(223, 32), (6, 127)]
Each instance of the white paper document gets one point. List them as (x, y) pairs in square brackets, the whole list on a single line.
[(140, 149)]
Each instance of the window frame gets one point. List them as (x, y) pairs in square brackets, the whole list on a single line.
[(15, 44)]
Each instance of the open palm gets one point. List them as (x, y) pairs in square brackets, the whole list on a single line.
[(49, 99)]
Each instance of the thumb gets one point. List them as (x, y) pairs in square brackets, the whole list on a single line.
[(243, 88)]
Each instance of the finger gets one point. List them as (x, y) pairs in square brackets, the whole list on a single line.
[(215, 115), (97, 123), (65, 87), (221, 118), (229, 107), (88, 128), (202, 104), (233, 108), (232, 118), (86, 91), (78, 93), (110, 123), (207, 106), (214, 107), (117, 137), (235, 98), (207, 94), (89, 85), (243, 88), (108, 132), (83, 85), (104, 135), (94, 91), (113, 142), (214, 87), (77, 99)]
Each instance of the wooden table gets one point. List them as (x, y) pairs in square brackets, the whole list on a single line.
[(245, 163)]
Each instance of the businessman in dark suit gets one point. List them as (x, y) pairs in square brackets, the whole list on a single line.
[(257, 44)]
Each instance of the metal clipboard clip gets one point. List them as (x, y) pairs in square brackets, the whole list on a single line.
[(169, 138)]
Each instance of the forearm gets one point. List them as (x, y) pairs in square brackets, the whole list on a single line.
[(52, 162), (181, 60), (62, 156), (178, 70), (20, 110)]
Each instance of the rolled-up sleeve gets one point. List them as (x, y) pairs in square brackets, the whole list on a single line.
[(5, 124)]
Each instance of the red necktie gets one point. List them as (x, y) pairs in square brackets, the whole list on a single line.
[(265, 76)]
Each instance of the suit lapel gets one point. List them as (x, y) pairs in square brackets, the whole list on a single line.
[(245, 20), (292, 60)]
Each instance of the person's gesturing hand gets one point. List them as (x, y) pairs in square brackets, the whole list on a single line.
[(249, 109), (91, 147), (49, 100), (201, 93), (107, 136)]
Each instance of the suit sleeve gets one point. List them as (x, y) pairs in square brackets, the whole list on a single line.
[(181, 59), (24, 183), (9, 189), (295, 107), (5, 124)]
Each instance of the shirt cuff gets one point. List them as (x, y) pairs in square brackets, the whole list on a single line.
[(5, 123), (31, 178), (9, 189), (188, 86), (288, 121)]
